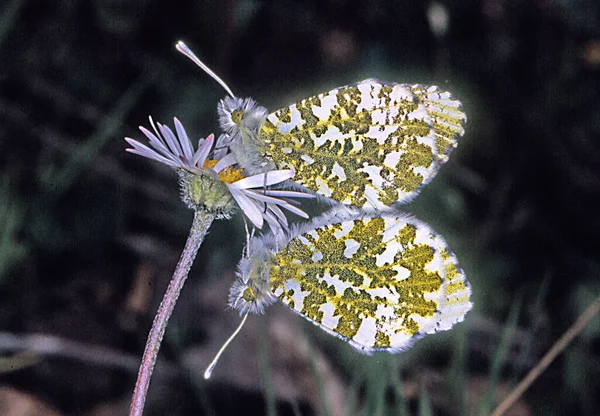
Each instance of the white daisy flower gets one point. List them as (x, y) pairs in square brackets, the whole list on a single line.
[(211, 184), (173, 150), (256, 201)]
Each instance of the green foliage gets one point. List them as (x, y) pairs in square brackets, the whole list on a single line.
[(500, 358)]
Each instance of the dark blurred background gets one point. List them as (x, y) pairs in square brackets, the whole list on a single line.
[(89, 234)]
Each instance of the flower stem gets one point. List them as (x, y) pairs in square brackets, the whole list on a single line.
[(200, 225)]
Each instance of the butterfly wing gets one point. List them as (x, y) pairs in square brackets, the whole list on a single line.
[(378, 283), (447, 116), (370, 144)]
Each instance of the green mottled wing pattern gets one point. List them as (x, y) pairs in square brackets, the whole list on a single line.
[(370, 144), (447, 116), (378, 283)]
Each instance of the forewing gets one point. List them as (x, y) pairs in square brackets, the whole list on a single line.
[(377, 283), (447, 115), (369, 145)]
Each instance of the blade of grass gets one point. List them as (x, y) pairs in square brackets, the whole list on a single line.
[(500, 356), (527, 344), (296, 407), (556, 349), (377, 377), (353, 391), (401, 406), (425, 404), (317, 376), (11, 220), (198, 385), (265, 370), (458, 370), (19, 361), (62, 179)]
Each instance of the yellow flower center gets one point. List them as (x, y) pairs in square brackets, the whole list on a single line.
[(228, 175), (231, 175), (210, 163)]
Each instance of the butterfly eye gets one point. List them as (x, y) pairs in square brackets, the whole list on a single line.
[(249, 295), (237, 115)]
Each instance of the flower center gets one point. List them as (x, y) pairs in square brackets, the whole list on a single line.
[(231, 175), (206, 193), (227, 175), (210, 163)]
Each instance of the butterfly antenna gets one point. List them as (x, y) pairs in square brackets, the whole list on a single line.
[(213, 363), (182, 47)]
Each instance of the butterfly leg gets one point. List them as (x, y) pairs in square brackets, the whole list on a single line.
[(265, 185)]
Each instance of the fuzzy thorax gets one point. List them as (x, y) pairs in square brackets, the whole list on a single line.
[(206, 193), (251, 292), (242, 119)]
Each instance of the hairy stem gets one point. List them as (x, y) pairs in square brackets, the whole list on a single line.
[(200, 225)]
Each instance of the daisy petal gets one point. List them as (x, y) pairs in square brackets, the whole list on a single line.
[(174, 150), (276, 226), (259, 204), (203, 151), (248, 207), (140, 149), (265, 179), (259, 196), (282, 203), (279, 214), (154, 128), (227, 161), (184, 140), (155, 142), (289, 194), (171, 140), (294, 210)]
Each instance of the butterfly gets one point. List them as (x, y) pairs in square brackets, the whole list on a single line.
[(378, 281), (372, 144), (373, 277)]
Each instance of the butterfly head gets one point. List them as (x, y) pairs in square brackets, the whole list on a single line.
[(241, 119), (250, 291), (241, 115)]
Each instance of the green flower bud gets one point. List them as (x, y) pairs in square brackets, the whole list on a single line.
[(201, 191)]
